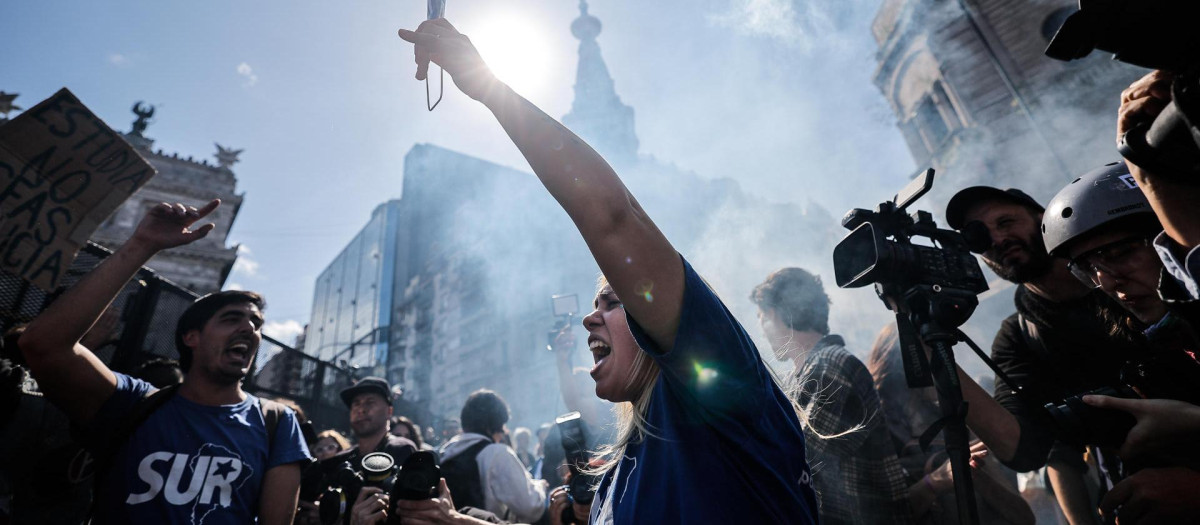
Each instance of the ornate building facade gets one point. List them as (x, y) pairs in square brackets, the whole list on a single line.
[(204, 265), (976, 98)]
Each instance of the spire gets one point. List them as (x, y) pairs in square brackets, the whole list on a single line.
[(597, 114)]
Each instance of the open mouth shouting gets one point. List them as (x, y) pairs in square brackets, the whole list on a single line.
[(600, 351), (241, 350)]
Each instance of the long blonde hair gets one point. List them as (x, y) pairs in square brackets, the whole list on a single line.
[(631, 423)]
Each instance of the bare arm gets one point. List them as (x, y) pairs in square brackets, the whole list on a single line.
[(70, 374), (280, 494), (995, 425), (1070, 488), (571, 385), (642, 266)]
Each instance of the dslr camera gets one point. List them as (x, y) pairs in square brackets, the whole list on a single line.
[(1160, 374), (581, 488), (337, 487), (1155, 34)]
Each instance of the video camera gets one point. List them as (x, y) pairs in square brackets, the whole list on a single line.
[(933, 291), (582, 486), (336, 487), (1155, 34), (898, 266)]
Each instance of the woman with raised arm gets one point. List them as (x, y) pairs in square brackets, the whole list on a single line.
[(705, 434)]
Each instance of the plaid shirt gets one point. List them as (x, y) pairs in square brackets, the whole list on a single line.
[(857, 476)]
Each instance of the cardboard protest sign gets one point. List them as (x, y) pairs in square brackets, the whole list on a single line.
[(62, 173)]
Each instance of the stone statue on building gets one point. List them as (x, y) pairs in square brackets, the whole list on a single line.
[(143, 118), (6, 105), (226, 157)]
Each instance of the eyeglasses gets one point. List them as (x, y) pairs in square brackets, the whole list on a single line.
[(325, 448), (1113, 259)]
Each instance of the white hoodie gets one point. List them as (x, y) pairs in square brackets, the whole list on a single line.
[(508, 489)]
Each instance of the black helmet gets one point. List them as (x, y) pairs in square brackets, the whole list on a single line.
[(1099, 197)]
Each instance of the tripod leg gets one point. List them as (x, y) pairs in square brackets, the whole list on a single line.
[(954, 411)]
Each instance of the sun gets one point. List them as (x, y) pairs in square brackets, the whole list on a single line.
[(516, 48)]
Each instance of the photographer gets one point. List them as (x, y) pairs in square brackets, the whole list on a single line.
[(371, 508), (1102, 223), (370, 403), (560, 501), (1055, 345), (700, 416), (1173, 198)]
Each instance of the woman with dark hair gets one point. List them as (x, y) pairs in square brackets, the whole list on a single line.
[(909, 412), (405, 428), (704, 433)]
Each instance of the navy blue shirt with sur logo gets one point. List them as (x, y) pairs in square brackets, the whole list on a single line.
[(190, 463), (726, 444)]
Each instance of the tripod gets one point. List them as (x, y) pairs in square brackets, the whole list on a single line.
[(927, 316)]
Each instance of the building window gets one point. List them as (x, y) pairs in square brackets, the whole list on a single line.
[(932, 126), (935, 118)]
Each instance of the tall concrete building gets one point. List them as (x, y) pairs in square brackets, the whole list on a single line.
[(976, 98), (204, 265)]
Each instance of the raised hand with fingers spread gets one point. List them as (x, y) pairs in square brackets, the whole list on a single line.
[(169, 225)]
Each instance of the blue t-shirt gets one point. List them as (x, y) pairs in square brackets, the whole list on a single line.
[(190, 463), (727, 445)]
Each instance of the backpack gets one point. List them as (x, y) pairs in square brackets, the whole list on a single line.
[(272, 412), (462, 476)]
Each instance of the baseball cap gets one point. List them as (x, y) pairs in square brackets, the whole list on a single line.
[(374, 385), (967, 198)]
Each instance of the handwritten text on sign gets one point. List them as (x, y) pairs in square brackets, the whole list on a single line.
[(62, 173)]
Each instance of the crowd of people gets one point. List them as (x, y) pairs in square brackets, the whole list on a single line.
[(1097, 387)]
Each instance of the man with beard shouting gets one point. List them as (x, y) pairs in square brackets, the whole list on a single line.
[(1055, 345), (208, 451)]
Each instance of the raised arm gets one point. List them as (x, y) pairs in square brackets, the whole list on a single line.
[(68, 373), (642, 266), (1173, 200)]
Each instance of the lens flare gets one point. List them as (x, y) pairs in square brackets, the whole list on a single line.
[(704, 374), (644, 288)]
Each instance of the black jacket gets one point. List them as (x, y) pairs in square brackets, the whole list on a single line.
[(397, 447), (1064, 349)]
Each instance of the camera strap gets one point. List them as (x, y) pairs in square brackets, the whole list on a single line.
[(1033, 337)]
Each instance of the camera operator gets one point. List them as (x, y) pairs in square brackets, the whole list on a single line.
[(370, 403), (1174, 201), (1056, 344), (370, 508), (560, 501), (1103, 224)]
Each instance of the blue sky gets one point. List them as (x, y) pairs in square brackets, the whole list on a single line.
[(775, 94)]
